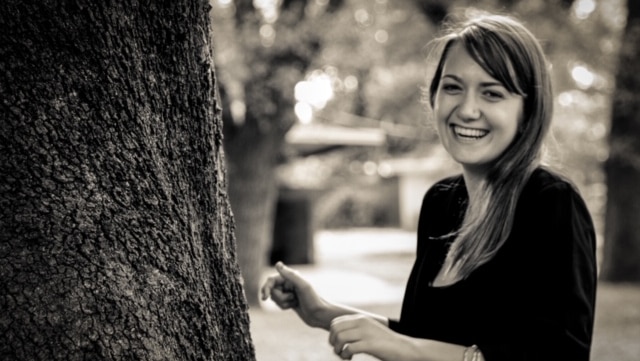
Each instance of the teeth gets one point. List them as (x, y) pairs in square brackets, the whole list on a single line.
[(469, 133)]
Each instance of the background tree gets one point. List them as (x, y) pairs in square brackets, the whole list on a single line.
[(264, 53), (116, 237), (622, 246)]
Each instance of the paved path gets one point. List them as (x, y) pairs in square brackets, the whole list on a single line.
[(360, 266), (365, 268)]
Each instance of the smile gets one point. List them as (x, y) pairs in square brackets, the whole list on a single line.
[(469, 133)]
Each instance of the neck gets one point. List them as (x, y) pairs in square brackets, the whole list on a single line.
[(472, 179)]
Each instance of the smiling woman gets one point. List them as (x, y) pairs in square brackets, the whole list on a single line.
[(491, 75), (504, 218), (477, 117)]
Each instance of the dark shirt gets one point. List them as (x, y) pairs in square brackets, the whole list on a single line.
[(534, 300)]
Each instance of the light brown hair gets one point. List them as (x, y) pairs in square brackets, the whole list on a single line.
[(511, 54)]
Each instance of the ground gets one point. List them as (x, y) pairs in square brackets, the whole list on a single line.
[(368, 268)]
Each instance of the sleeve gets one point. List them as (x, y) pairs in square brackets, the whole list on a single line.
[(394, 325), (552, 306)]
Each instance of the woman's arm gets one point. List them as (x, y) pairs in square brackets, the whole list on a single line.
[(351, 330), (355, 334), (289, 290)]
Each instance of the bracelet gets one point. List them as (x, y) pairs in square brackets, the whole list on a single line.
[(475, 353)]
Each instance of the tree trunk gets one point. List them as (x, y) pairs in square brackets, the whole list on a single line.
[(254, 143), (622, 234), (253, 192), (116, 237)]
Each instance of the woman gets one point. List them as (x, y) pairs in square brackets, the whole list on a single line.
[(505, 266)]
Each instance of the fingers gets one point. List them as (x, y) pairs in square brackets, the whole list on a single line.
[(345, 336), (274, 282), (349, 337), (284, 300), (278, 289), (348, 350), (282, 287), (345, 352), (265, 291), (341, 324), (291, 275), (286, 279)]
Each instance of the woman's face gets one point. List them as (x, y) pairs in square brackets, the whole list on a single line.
[(477, 117)]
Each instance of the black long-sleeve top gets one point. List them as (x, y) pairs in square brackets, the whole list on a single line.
[(534, 300)]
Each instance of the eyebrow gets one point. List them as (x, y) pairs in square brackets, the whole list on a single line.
[(483, 84)]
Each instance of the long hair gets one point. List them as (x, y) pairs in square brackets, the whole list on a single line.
[(511, 54)]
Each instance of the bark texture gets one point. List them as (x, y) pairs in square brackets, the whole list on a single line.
[(116, 237), (622, 230)]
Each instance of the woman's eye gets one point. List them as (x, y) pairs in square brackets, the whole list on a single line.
[(493, 95), (451, 88)]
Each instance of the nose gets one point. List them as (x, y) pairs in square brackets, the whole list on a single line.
[(468, 108)]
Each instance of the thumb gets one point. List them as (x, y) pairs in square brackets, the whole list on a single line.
[(290, 275)]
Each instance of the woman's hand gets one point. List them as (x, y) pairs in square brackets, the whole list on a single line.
[(354, 334), (290, 290)]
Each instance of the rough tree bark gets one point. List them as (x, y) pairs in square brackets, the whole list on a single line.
[(622, 230), (116, 237)]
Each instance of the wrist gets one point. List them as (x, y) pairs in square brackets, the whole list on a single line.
[(327, 311)]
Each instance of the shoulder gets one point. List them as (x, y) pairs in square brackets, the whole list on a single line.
[(446, 186), (545, 182), (443, 194), (441, 209), (552, 196), (553, 215)]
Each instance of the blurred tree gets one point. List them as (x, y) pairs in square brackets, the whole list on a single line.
[(434, 10), (116, 237), (268, 50), (386, 42), (622, 235)]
